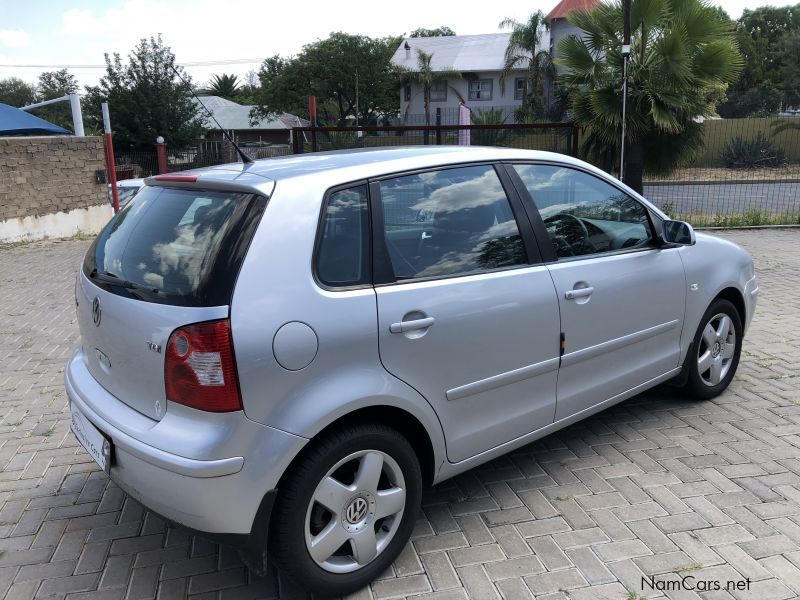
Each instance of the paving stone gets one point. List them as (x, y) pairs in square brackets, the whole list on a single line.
[(591, 567), (440, 571), (546, 583), (401, 586), (654, 485), (477, 583)]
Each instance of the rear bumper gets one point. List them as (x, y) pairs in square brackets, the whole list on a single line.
[(209, 472)]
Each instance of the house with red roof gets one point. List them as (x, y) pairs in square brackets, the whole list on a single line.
[(560, 27), (480, 60)]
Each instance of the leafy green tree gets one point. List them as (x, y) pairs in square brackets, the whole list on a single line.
[(425, 76), (225, 86), (437, 32), (335, 70), (759, 34), (246, 94), (524, 51), (16, 92), (56, 84), (681, 53), (789, 56), (146, 98)]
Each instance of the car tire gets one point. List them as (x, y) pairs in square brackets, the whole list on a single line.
[(714, 355), (360, 485)]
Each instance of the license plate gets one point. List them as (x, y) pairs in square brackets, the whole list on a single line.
[(92, 439)]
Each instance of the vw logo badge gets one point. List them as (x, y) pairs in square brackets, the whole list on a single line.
[(96, 313), (356, 511)]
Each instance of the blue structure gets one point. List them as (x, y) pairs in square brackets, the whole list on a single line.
[(14, 121)]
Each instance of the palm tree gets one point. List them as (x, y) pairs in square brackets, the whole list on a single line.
[(425, 76), (226, 86), (681, 54), (523, 52)]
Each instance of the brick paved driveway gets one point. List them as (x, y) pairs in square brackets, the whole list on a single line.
[(655, 486)]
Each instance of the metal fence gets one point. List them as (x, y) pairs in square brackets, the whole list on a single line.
[(555, 137), (131, 165), (449, 115), (746, 173)]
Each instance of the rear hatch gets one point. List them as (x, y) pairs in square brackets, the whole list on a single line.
[(169, 259)]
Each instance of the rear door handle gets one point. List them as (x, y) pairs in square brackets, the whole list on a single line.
[(579, 293), (406, 326)]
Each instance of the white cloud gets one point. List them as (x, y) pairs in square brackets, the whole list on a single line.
[(77, 22), (14, 38)]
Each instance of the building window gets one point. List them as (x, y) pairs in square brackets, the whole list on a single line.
[(520, 85), (480, 89), (439, 91), (407, 92)]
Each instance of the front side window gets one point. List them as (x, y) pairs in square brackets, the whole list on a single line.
[(407, 92), (449, 222), (343, 253), (439, 91), (480, 89), (584, 214)]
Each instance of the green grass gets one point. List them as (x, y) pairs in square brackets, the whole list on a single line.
[(689, 568), (750, 218)]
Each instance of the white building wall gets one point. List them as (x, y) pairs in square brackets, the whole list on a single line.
[(500, 98)]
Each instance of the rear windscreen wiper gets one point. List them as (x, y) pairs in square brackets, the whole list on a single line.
[(111, 279)]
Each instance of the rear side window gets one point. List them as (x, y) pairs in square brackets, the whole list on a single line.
[(171, 246), (449, 222), (343, 253)]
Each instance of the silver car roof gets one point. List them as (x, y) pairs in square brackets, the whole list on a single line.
[(341, 166)]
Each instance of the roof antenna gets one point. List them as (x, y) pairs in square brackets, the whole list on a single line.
[(245, 159)]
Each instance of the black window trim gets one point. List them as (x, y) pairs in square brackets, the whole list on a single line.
[(382, 270), (540, 230), (320, 231)]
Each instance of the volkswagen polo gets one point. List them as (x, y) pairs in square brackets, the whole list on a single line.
[(281, 354)]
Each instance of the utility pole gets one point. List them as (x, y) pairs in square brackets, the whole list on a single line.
[(626, 55)]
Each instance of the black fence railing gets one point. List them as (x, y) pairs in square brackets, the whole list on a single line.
[(554, 137), (747, 171)]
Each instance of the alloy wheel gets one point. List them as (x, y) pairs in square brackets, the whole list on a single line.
[(355, 511), (716, 349)]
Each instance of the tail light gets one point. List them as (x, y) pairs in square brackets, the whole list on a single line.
[(199, 367)]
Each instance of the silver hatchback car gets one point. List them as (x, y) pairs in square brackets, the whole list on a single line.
[(282, 354)]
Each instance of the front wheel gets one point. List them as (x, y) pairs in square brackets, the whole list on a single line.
[(347, 508), (715, 352)]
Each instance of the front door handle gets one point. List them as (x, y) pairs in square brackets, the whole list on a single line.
[(579, 293), (406, 326)]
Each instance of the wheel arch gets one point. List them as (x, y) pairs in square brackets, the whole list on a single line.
[(735, 297), (395, 417)]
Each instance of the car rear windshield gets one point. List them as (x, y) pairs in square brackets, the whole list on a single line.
[(176, 246)]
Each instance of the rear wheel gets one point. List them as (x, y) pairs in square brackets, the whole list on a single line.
[(715, 353), (347, 508)]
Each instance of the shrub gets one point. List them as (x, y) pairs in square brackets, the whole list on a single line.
[(489, 137), (750, 154)]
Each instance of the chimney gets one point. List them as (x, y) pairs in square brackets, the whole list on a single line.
[(408, 50)]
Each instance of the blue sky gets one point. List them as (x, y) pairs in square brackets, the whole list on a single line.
[(78, 32)]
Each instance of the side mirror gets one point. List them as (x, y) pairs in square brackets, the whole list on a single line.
[(679, 233)]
